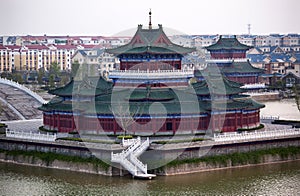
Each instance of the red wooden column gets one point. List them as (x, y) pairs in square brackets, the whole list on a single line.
[(235, 116), (58, 123)]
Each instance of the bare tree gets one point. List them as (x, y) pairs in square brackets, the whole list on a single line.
[(297, 96), (125, 115)]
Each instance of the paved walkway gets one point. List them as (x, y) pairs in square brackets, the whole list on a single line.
[(24, 125), (20, 101)]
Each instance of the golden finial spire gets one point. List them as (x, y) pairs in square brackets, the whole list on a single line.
[(150, 24)]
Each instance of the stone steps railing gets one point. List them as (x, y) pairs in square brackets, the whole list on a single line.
[(128, 159)]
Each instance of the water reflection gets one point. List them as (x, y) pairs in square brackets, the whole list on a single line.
[(274, 179)]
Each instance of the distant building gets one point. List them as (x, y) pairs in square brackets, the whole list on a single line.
[(182, 40), (290, 79), (34, 57), (248, 40), (96, 59), (202, 41)]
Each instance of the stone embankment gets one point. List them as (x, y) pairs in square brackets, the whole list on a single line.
[(265, 96), (194, 157)]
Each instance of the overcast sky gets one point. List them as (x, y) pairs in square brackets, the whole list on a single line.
[(109, 17)]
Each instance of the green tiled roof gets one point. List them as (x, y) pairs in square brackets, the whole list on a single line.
[(175, 101), (150, 41), (168, 107), (152, 94), (228, 44), (217, 84), (240, 67), (86, 87)]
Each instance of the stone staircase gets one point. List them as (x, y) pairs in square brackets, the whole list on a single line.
[(128, 158)]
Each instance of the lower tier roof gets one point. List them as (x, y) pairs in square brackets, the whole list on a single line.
[(173, 107)]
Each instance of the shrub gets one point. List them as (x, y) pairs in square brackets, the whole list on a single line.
[(125, 137), (252, 129), (42, 128)]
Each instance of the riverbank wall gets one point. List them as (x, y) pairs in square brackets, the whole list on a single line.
[(190, 158), (73, 156), (267, 96)]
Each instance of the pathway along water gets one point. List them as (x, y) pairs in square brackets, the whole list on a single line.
[(273, 179), (286, 109)]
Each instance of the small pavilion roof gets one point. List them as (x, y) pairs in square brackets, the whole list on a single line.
[(228, 44)]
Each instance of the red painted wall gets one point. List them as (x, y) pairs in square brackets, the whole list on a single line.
[(225, 123)]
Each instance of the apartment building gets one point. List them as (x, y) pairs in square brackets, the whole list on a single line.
[(96, 60), (34, 57)]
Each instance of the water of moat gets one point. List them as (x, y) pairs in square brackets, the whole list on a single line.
[(271, 179)]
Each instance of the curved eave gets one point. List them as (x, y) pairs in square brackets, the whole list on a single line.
[(227, 48), (150, 99), (151, 49), (228, 44)]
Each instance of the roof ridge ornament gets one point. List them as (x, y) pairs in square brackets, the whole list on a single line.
[(150, 23)]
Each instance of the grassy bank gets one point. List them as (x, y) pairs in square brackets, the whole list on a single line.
[(49, 157), (253, 157)]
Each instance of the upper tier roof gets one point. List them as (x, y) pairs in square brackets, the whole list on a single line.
[(92, 86), (228, 44), (150, 41), (241, 67)]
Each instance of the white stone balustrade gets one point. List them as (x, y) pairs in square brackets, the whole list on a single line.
[(152, 74), (31, 135), (228, 60), (263, 93), (255, 135), (269, 117), (254, 86)]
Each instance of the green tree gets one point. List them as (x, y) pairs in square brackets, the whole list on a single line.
[(6, 75), (64, 80), (54, 69), (51, 81), (17, 77), (41, 74), (75, 68), (295, 90)]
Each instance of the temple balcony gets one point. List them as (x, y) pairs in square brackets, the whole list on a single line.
[(254, 86), (229, 60), (152, 74)]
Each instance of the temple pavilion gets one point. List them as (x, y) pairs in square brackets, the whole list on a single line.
[(152, 94), (230, 57)]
